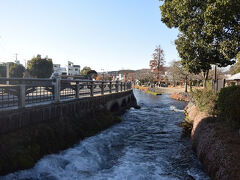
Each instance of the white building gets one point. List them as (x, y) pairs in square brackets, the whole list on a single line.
[(72, 69), (58, 69), (119, 77)]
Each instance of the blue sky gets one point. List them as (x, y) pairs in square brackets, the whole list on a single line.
[(102, 34)]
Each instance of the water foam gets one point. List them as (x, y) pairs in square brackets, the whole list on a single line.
[(173, 108)]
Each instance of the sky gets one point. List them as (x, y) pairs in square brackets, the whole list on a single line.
[(101, 34)]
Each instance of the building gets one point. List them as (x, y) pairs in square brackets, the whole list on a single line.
[(234, 79), (72, 69), (58, 69)]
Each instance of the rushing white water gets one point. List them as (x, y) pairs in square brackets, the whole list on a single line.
[(146, 145), (173, 108)]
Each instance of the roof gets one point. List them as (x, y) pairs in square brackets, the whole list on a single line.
[(234, 77)]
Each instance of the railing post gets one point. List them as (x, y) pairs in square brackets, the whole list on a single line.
[(21, 100), (77, 90), (117, 84), (124, 86), (7, 72), (102, 88), (110, 87), (91, 89), (121, 86), (130, 85), (57, 89)]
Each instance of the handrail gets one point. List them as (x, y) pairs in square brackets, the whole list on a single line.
[(47, 79), (19, 92), (24, 79)]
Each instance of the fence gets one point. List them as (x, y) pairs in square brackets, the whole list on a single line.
[(19, 92), (218, 84)]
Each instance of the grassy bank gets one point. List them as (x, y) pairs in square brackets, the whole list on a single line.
[(213, 121), (147, 90), (153, 93)]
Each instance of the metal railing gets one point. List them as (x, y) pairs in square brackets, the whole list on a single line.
[(20, 92)]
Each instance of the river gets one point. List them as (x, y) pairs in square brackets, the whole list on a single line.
[(147, 144)]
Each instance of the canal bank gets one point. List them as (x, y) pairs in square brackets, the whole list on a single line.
[(147, 144), (22, 147), (216, 145), (160, 90)]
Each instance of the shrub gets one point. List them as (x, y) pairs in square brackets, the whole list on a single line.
[(228, 106), (205, 100)]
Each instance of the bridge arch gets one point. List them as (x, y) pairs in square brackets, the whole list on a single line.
[(128, 99), (115, 107), (124, 103)]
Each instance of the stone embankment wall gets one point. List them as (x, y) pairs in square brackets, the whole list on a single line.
[(216, 146), (30, 133), (14, 119)]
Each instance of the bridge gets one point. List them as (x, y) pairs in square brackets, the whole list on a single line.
[(25, 102)]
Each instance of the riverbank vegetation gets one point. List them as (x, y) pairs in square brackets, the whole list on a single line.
[(147, 90), (205, 99), (228, 106), (212, 120), (153, 93), (224, 105)]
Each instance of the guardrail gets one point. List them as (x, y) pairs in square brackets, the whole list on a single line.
[(20, 92)]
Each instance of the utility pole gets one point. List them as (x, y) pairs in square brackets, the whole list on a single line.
[(215, 79), (7, 71), (16, 57)]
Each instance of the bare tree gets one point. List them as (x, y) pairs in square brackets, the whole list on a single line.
[(158, 61), (177, 73)]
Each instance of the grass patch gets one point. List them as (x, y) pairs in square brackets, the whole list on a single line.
[(225, 104), (205, 100), (153, 93)]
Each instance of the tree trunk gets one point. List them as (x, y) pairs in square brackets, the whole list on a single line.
[(205, 78), (191, 85), (186, 83)]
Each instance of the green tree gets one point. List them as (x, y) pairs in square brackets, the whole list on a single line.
[(217, 22), (2, 70), (40, 67), (85, 70), (92, 74), (209, 31), (16, 70)]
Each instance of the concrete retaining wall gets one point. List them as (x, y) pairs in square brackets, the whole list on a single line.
[(12, 120)]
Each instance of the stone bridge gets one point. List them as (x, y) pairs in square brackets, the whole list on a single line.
[(25, 102)]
